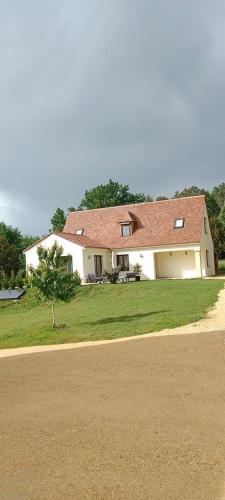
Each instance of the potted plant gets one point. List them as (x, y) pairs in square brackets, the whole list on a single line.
[(137, 271)]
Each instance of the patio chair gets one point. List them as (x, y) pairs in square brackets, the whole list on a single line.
[(93, 278), (122, 276)]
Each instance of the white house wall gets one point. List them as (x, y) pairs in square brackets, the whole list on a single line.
[(69, 248), (88, 260), (144, 257), (207, 244)]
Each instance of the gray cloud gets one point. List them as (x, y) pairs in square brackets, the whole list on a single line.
[(89, 90)]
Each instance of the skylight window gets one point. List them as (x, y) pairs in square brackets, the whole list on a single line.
[(125, 228), (79, 231), (179, 223)]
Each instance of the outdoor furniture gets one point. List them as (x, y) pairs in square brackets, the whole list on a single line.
[(131, 276), (93, 278), (122, 278), (125, 276)]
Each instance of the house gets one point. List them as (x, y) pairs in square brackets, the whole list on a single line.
[(169, 238)]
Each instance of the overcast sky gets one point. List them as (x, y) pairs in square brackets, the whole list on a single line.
[(132, 90)]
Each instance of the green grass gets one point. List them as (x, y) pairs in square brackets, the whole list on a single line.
[(221, 266), (107, 312)]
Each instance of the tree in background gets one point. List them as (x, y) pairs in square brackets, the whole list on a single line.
[(58, 220), (218, 236), (212, 206), (147, 198), (222, 217), (71, 209), (189, 191), (11, 234), (52, 279), (109, 195), (9, 257), (161, 198), (14, 237), (214, 202), (219, 194)]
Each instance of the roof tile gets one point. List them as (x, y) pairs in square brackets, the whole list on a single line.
[(153, 224)]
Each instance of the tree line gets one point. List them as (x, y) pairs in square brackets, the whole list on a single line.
[(12, 242), (12, 260)]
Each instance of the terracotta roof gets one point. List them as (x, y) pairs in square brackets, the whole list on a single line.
[(153, 223), (82, 240)]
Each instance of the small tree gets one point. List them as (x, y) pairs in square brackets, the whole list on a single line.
[(51, 279), (58, 220)]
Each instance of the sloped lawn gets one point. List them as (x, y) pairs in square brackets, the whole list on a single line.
[(108, 311)]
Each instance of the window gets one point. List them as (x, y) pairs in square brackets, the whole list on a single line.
[(178, 223), (207, 258), (125, 229), (98, 265), (123, 262), (67, 263), (205, 225), (79, 231)]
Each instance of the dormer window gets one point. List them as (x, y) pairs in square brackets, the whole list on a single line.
[(125, 229), (79, 231), (179, 223)]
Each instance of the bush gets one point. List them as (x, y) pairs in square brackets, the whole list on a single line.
[(13, 281), (20, 279), (137, 269), (77, 278), (113, 276), (4, 281)]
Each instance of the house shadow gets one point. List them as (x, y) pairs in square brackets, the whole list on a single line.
[(124, 318)]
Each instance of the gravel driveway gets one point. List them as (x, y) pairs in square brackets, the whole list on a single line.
[(143, 419)]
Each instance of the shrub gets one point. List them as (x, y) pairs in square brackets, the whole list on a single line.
[(77, 278), (20, 279), (137, 269), (112, 276), (12, 280)]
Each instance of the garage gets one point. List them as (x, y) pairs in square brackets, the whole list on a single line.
[(180, 264)]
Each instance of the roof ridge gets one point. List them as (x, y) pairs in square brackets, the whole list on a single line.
[(138, 204)]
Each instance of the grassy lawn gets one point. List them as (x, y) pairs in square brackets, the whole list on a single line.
[(108, 311), (221, 266)]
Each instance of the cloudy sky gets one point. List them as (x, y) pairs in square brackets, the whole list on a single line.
[(92, 89)]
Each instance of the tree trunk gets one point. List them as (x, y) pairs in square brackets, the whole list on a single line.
[(53, 315)]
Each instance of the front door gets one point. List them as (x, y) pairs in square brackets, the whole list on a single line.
[(98, 265)]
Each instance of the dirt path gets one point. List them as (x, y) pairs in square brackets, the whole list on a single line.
[(137, 420), (215, 321)]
